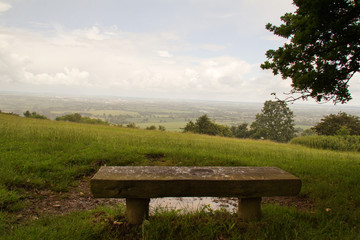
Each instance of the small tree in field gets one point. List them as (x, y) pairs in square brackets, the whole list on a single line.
[(338, 124), (204, 125), (240, 131), (27, 114), (275, 122)]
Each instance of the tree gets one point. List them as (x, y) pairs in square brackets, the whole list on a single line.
[(162, 128), (152, 127), (204, 125), (240, 131), (27, 114), (338, 124), (324, 51), (275, 122), (190, 127), (131, 125), (76, 117)]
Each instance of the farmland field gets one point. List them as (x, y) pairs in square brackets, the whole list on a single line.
[(173, 114)]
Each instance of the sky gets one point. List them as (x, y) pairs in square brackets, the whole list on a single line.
[(171, 49)]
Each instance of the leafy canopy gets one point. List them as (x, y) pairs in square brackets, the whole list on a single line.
[(323, 53), (204, 125), (338, 124), (76, 117), (275, 122), (33, 115)]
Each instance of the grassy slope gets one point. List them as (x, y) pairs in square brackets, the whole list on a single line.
[(48, 154)]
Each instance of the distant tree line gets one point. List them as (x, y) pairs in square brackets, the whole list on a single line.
[(338, 124), (27, 114), (275, 122), (339, 132), (76, 117), (153, 127), (10, 113)]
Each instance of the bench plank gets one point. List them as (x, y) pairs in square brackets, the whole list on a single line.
[(139, 184), (160, 181)]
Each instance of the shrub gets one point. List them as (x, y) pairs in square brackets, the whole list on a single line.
[(76, 117), (152, 127), (334, 124), (341, 143), (241, 131), (204, 125), (131, 125), (34, 115)]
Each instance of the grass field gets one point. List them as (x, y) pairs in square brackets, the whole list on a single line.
[(48, 155)]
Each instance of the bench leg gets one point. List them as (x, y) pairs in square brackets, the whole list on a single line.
[(249, 208), (137, 209)]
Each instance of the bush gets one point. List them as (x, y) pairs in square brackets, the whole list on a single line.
[(341, 123), (76, 117), (131, 125), (341, 143), (152, 127), (204, 125), (34, 115), (241, 131)]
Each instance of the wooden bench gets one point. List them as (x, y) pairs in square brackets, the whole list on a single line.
[(139, 184)]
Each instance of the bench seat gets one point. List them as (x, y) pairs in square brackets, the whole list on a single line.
[(140, 183)]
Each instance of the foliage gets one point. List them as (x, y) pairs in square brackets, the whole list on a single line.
[(340, 143), (204, 125), (34, 115), (76, 117), (162, 128), (152, 127), (334, 124), (190, 127), (131, 125), (323, 52), (241, 131), (275, 122), (308, 132)]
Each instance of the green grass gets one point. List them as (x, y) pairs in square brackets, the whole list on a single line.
[(43, 154)]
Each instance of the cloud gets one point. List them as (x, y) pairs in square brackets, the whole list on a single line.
[(4, 7), (106, 60), (213, 47), (164, 54), (68, 77)]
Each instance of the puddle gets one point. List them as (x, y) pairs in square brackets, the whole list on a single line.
[(191, 204)]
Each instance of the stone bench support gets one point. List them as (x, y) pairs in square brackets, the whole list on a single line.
[(137, 209), (139, 184)]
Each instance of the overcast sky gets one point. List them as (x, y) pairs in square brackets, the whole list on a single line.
[(183, 49)]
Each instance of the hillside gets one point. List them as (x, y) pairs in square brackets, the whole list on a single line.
[(43, 155)]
